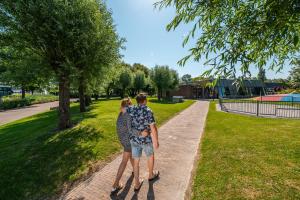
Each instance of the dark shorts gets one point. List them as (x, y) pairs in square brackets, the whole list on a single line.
[(127, 147)]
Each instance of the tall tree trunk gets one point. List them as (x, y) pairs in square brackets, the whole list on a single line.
[(159, 94), (88, 100), (123, 93), (81, 91), (23, 92), (64, 102), (108, 93)]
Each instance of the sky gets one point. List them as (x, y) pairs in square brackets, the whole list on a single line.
[(148, 42)]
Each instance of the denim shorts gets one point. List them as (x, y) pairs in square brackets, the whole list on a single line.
[(137, 149)]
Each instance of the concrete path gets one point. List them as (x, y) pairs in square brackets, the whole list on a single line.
[(15, 114), (179, 142)]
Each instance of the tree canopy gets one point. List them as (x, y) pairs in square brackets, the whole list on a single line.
[(74, 37), (139, 81), (231, 33), (187, 78), (164, 79), (295, 74), (262, 75)]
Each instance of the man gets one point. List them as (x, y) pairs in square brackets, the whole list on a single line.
[(145, 137)]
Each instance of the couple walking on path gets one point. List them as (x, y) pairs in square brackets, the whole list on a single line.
[(179, 140), (137, 132)]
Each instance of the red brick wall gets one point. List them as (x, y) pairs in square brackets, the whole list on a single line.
[(183, 90)]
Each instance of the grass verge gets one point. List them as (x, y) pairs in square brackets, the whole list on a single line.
[(36, 161), (244, 157)]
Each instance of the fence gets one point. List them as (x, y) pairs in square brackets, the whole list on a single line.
[(287, 108)]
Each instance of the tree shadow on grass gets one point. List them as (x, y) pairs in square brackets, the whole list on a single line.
[(37, 161)]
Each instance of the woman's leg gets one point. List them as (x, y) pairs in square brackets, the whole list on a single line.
[(132, 161), (126, 156)]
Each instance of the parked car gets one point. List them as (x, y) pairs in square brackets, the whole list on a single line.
[(5, 90)]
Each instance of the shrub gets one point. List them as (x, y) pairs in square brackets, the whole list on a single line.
[(15, 101)]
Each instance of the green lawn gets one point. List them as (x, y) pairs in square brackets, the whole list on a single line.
[(244, 157), (36, 161)]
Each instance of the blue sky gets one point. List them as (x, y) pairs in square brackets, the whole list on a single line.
[(149, 43)]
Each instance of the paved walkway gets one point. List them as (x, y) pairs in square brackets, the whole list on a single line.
[(15, 114), (179, 141)]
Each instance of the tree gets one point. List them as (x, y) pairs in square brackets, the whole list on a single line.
[(125, 81), (187, 78), (95, 50), (22, 69), (295, 74), (111, 80), (50, 29), (164, 79), (262, 75), (263, 33), (139, 81), (139, 67)]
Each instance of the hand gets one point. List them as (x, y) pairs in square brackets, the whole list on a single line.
[(145, 133), (156, 145)]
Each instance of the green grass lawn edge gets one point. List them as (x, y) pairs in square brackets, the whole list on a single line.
[(244, 157), (37, 162)]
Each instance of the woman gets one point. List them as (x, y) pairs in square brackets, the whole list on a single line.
[(124, 131)]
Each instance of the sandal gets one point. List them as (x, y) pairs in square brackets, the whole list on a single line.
[(116, 189), (155, 176), (138, 189)]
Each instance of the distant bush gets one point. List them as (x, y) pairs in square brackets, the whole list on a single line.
[(289, 91), (15, 101)]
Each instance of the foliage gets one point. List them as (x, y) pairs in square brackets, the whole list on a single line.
[(164, 79), (239, 161), (125, 81), (24, 69), (110, 81), (262, 75), (66, 34), (139, 67), (15, 101), (295, 75), (139, 81), (95, 50), (37, 162), (187, 78), (245, 33)]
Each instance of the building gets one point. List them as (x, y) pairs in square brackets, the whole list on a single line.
[(273, 87), (225, 88), (247, 88)]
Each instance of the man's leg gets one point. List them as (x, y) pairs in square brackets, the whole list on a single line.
[(136, 170), (149, 151), (136, 154)]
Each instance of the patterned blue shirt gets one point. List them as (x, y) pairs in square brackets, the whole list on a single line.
[(142, 117)]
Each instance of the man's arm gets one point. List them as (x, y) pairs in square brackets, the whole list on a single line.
[(154, 135)]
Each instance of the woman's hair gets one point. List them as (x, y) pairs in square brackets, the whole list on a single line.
[(126, 102)]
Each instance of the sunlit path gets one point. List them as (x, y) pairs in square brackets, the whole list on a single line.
[(179, 142), (15, 114)]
